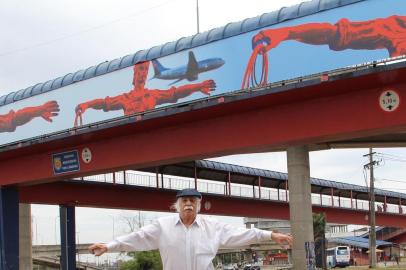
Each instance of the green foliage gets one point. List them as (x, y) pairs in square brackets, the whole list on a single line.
[(143, 260), (319, 225), (319, 230)]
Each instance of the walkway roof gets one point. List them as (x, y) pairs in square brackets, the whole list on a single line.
[(218, 171), (356, 241)]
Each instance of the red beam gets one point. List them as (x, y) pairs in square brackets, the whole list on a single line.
[(118, 196), (273, 121)]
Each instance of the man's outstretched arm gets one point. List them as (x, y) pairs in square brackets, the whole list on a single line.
[(147, 238), (105, 104), (10, 121), (235, 237), (380, 33), (175, 93)]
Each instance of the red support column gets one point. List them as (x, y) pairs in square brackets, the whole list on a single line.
[(157, 177), (114, 177), (125, 177), (339, 200), (196, 177), (385, 205), (259, 187), (253, 190), (351, 198), (321, 197), (356, 203), (400, 206), (332, 197), (286, 190), (229, 183)]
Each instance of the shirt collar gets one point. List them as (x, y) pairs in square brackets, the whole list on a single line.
[(197, 221)]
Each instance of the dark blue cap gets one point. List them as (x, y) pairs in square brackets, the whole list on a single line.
[(188, 192)]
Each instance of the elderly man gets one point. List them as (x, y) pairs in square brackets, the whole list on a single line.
[(188, 241)]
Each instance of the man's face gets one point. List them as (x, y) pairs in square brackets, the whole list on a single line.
[(188, 205), (140, 74)]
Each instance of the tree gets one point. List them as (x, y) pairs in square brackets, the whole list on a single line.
[(319, 229), (143, 260)]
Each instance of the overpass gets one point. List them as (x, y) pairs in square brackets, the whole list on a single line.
[(318, 109), (228, 190)]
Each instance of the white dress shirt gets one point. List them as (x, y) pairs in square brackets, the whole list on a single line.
[(183, 248)]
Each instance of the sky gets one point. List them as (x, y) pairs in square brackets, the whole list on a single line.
[(45, 39)]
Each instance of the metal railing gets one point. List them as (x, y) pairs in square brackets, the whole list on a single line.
[(237, 190)]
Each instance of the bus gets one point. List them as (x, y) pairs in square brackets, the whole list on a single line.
[(338, 256)]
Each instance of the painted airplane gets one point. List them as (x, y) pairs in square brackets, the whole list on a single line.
[(189, 72)]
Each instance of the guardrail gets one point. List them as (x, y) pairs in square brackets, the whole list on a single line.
[(237, 190)]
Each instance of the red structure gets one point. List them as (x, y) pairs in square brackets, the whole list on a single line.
[(90, 194), (141, 99), (269, 120), (383, 33)]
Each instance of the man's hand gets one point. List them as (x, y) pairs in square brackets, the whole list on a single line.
[(81, 108), (207, 86), (282, 239), (268, 39), (97, 249), (49, 110)]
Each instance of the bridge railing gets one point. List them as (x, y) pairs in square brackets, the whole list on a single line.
[(238, 190)]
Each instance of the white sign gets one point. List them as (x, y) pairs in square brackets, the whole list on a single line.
[(207, 205), (389, 100), (86, 155)]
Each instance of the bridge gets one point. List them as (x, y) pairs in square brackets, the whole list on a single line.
[(228, 190), (275, 115)]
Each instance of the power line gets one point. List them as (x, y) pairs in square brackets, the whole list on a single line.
[(97, 27), (390, 180), (391, 157)]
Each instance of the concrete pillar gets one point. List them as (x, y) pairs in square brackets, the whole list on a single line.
[(25, 245), (300, 206)]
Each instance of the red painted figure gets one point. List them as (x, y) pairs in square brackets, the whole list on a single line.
[(9, 122), (381, 33), (140, 99)]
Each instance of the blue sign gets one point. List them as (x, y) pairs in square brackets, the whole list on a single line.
[(66, 162)]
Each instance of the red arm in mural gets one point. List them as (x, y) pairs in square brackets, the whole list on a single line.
[(105, 104), (173, 94), (382, 33), (9, 122)]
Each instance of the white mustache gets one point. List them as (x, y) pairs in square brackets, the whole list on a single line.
[(188, 207)]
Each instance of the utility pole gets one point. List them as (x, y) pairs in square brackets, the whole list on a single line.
[(372, 231), (197, 15)]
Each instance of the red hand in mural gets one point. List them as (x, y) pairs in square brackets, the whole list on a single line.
[(140, 99), (382, 33), (9, 122)]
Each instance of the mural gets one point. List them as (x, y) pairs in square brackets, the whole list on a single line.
[(383, 33), (141, 99), (349, 35), (9, 122)]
